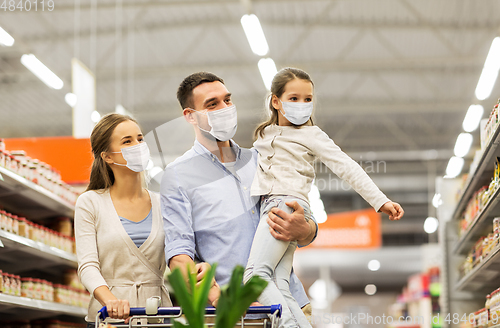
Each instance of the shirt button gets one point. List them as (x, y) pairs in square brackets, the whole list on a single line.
[(253, 212), (213, 159), (245, 188)]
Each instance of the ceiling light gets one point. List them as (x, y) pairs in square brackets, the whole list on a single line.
[(454, 167), (473, 117), (316, 204), (255, 34), (42, 72), (431, 224), (119, 109), (374, 265), (462, 146), (436, 200), (70, 99), (370, 289), (490, 71), (95, 116), (5, 38), (268, 70)]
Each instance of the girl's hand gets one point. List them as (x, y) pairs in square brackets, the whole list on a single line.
[(118, 309), (394, 210)]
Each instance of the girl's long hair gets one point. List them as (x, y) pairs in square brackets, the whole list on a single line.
[(280, 80), (101, 175)]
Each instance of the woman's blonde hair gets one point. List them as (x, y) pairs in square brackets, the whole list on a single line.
[(280, 80), (101, 175)]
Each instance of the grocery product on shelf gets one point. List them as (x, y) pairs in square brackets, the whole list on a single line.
[(491, 126), (483, 247), (42, 324), (42, 289), (25, 228), (37, 172)]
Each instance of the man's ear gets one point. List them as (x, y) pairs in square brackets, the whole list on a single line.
[(105, 157), (188, 114)]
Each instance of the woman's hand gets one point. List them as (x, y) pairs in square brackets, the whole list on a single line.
[(118, 309), (394, 210)]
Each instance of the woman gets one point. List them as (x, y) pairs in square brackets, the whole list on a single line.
[(118, 224)]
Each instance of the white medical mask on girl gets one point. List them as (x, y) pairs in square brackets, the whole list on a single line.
[(223, 122), (297, 113), (137, 156)]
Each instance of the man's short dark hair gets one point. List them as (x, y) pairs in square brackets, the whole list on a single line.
[(185, 90)]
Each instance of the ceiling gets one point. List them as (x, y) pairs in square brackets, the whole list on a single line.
[(393, 78)]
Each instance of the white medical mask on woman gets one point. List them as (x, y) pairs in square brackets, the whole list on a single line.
[(297, 113), (137, 157), (223, 122)]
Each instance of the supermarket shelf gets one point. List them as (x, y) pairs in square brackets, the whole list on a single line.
[(484, 277), (486, 164), (16, 308), (25, 198), (480, 226), (29, 254)]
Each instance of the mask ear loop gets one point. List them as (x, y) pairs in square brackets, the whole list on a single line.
[(204, 112)]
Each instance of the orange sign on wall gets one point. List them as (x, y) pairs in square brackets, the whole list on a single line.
[(72, 157), (348, 230)]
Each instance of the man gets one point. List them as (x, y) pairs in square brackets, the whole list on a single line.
[(207, 209)]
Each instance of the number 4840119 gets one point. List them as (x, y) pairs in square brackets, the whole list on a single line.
[(27, 5)]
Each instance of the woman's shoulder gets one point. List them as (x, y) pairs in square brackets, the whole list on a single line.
[(90, 196), (154, 195)]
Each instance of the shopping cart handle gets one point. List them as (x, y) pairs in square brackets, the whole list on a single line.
[(273, 309), (103, 313), (256, 310)]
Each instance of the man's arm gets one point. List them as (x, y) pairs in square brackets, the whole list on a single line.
[(289, 227), (178, 227)]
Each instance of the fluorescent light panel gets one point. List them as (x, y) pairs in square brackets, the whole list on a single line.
[(70, 99), (5, 38), (255, 34), (490, 71), (454, 167), (462, 146), (431, 224), (42, 72), (473, 118), (268, 70)]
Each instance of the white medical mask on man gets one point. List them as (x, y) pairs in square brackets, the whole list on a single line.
[(137, 157), (297, 113), (223, 122)]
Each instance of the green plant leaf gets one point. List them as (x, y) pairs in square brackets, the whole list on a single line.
[(192, 300), (235, 298)]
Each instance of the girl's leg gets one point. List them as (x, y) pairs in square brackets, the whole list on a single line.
[(265, 255), (272, 260), (282, 276)]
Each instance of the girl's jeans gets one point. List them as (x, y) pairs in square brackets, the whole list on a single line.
[(272, 260)]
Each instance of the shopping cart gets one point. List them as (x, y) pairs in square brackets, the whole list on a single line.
[(163, 316)]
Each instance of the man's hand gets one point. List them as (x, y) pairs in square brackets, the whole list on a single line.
[(183, 262), (291, 227), (394, 210)]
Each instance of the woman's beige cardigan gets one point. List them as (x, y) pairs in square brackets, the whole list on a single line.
[(107, 256)]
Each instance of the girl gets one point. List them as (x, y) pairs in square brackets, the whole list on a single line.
[(288, 143), (118, 223)]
